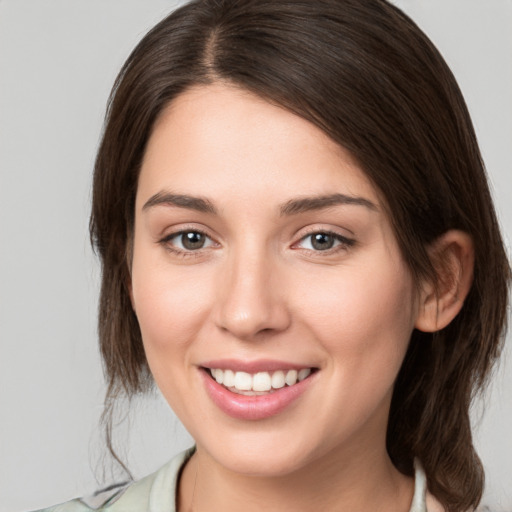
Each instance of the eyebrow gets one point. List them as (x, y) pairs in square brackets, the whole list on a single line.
[(199, 204), (307, 204), (292, 207)]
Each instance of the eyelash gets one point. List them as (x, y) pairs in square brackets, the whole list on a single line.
[(344, 243), (183, 253)]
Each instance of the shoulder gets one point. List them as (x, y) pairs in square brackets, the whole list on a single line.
[(152, 493)]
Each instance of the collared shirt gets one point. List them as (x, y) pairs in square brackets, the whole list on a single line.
[(157, 493)]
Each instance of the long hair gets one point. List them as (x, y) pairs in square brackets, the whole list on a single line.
[(366, 75)]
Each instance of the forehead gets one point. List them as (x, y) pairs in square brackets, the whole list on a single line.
[(220, 138)]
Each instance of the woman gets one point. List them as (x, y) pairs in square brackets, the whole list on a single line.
[(299, 248)]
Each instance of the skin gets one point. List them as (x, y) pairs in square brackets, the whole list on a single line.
[(258, 289)]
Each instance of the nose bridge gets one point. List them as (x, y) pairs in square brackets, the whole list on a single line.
[(249, 302)]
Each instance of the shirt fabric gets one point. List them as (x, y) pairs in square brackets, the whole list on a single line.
[(157, 493)]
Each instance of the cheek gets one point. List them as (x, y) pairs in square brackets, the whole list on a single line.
[(363, 320), (361, 311), (170, 303)]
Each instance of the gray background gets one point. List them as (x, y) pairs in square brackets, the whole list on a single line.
[(58, 60)]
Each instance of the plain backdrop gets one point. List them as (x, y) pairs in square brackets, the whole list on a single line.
[(58, 60)]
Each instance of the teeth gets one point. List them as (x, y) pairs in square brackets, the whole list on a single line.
[(229, 378), (259, 382), (278, 380), (262, 382), (243, 381), (303, 373), (291, 377)]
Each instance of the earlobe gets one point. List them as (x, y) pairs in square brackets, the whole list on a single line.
[(452, 255)]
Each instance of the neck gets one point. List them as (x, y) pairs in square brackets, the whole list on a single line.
[(366, 481)]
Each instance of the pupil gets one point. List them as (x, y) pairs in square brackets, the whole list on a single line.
[(192, 240), (322, 241)]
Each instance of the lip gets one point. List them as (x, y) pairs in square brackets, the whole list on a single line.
[(256, 407), (260, 365)]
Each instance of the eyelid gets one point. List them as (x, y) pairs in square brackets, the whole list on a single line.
[(175, 233), (344, 241)]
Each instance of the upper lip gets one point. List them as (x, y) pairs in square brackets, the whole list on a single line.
[(259, 365)]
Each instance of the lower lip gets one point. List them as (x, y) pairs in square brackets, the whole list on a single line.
[(255, 407)]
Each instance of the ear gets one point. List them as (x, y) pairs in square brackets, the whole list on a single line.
[(453, 258)]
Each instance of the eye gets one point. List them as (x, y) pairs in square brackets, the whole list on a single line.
[(325, 240), (184, 241)]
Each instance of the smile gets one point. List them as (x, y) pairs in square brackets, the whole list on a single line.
[(256, 394), (259, 383)]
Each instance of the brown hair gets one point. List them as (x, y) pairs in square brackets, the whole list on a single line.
[(364, 73)]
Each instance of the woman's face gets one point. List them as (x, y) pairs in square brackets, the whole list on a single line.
[(263, 253)]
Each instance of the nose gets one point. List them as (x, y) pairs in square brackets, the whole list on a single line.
[(251, 301)]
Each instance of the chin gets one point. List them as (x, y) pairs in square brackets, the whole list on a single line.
[(262, 465), (263, 455)]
